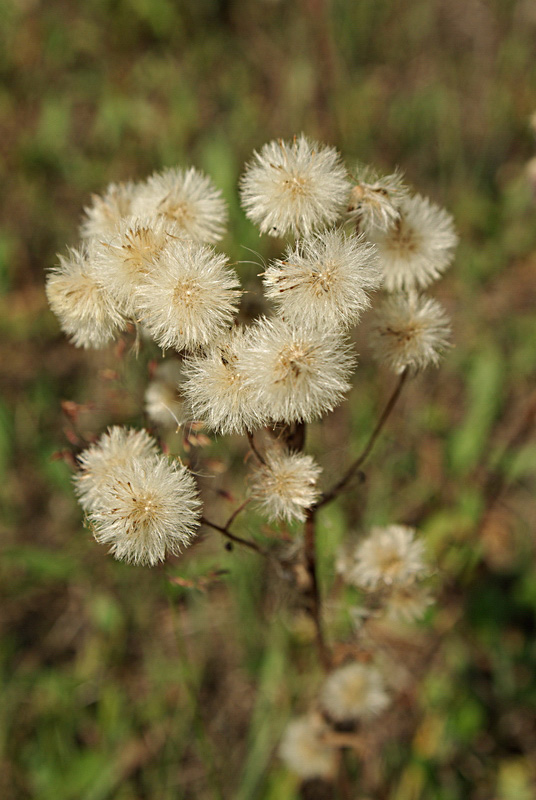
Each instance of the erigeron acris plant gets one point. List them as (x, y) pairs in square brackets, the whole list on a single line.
[(147, 259)]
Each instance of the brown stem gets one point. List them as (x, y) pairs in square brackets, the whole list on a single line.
[(233, 537), (236, 512), (253, 447), (314, 591), (335, 490)]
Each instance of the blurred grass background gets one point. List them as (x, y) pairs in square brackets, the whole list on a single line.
[(116, 682)]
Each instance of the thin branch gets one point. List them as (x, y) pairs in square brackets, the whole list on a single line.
[(254, 450), (233, 537), (236, 512), (334, 492)]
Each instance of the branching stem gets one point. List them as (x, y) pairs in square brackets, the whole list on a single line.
[(334, 492), (233, 537)]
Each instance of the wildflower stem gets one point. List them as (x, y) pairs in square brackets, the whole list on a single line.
[(386, 413), (232, 536), (253, 447), (315, 606)]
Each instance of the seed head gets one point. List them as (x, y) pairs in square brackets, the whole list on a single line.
[(375, 199), (285, 486), (85, 309), (189, 199), (215, 388), (190, 299), (148, 507), (295, 373), (324, 280), (418, 247), (388, 556), (294, 187), (115, 448), (106, 211), (409, 331), (162, 403), (305, 750), (354, 691)]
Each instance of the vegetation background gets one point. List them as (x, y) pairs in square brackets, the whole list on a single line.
[(117, 682)]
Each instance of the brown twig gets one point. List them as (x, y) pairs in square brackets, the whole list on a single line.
[(253, 447), (334, 492), (233, 537)]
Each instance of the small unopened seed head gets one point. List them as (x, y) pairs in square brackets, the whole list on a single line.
[(106, 211), (409, 331), (187, 198), (375, 199), (388, 556), (295, 186), (355, 691), (149, 507), (191, 298), (86, 310), (115, 448), (285, 486), (324, 280), (296, 373), (305, 750), (215, 389), (418, 247)]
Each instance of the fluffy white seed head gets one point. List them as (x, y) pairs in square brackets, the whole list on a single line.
[(115, 448), (86, 311), (388, 556), (148, 507), (296, 374), (285, 486), (375, 199), (163, 405), (294, 186), (189, 199), (215, 389), (191, 298), (106, 211), (305, 750), (355, 691), (418, 247), (124, 259), (324, 280), (409, 331)]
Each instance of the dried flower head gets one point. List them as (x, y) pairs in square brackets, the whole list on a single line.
[(294, 186), (115, 448), (191, 298), (355, 691), (123, 260), (295, 373), (86, 310), (106, 211), (375, 199), (285, 486), (189, 199), (418, 247), (324, 280), (305, 750), (409, 331), (148, 507), (163, 405), (215, 388), (388, 556)]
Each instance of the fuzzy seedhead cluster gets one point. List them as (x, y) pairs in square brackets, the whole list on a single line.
[(148, 260)]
